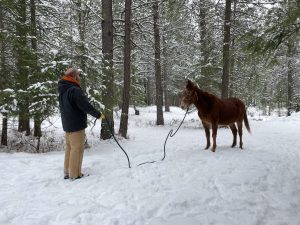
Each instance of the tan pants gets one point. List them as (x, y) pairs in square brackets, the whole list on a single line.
[(74, 153)]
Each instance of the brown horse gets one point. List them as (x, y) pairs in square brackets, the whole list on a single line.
[(214, 111)]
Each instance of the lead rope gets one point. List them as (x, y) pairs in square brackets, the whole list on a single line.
[(111, 131), (170, 134)]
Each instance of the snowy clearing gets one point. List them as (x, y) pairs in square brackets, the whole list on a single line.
[(257, 185)]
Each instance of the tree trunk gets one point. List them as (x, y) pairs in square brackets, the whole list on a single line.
[(37, 127), (226, 50), (4, 130), (107, 69), (204, 49), (147, 84), (158, 80), (33, 29), (3, 79), (290, 80), (82, 49), (38, 145), (22, 55), (33, 33), (165, 76), (232, 64), (127, 70), (232, 56)]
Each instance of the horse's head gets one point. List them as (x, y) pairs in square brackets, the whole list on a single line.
[(189, 95)]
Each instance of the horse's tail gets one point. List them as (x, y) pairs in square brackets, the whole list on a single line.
[(246, 122)]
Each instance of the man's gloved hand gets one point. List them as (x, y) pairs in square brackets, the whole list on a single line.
[(102, 116)]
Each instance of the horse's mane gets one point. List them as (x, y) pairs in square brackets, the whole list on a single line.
[(205, 94), (206, 99)]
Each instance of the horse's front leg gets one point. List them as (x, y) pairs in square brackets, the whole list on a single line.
[(207, 134), (214, 136)]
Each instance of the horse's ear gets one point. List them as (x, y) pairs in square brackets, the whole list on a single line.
[(189, 84)]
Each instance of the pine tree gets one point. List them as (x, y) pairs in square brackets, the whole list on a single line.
[(127, 70), (107, 68), (34, 68), (226, 50), (3, 74), (158, 78), (23, 57)]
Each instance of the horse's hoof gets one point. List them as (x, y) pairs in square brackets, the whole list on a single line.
[(207, 147), (213, 149), (233, 145)]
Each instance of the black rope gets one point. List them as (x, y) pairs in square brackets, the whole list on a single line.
[(94, 124), (170, 134), (146, 163), (112, 133)]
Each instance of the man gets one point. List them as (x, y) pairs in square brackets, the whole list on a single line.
[(74, 107)]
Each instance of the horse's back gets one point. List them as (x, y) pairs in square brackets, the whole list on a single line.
[(234, 100), (231, 110), (233, 103)]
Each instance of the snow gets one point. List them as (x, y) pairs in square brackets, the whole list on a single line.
[(257, 185), (8, 90), (54, 51)]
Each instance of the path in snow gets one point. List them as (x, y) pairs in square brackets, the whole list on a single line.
[(258, 185)]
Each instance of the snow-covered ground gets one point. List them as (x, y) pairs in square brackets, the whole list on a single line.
[(255, 186)]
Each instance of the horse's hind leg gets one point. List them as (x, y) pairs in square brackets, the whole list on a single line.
[(234, 132), (207, 134), (214, 136), (240, 130)]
